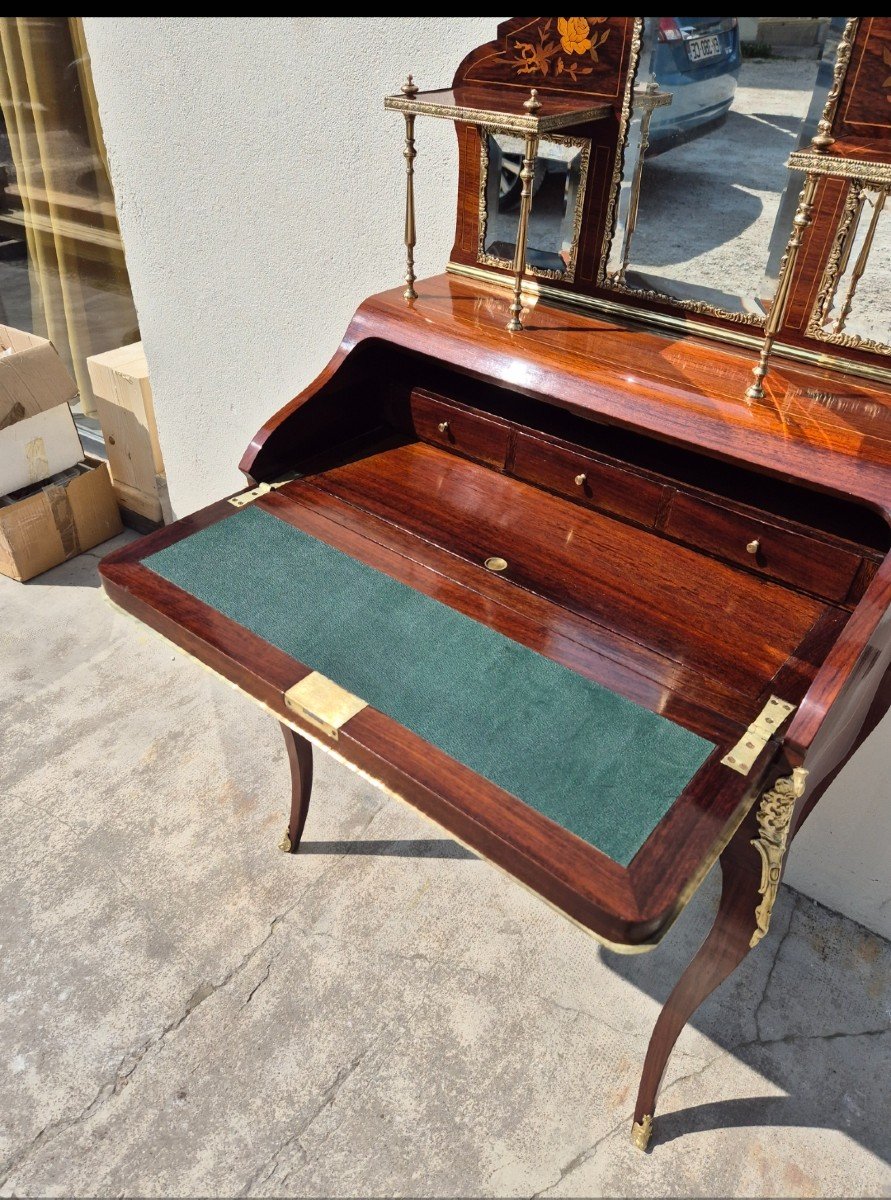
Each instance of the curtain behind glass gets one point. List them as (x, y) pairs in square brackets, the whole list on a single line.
[(62, 269)]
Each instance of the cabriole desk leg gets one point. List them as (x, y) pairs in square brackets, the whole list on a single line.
[(751, 869), (300, 758), (727, 944)]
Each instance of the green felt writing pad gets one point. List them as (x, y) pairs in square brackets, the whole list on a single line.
[(590, 760)]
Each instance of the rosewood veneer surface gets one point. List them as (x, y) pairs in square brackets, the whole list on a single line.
[(576, 590)]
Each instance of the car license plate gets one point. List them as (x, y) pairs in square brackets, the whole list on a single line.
[(706, 47)]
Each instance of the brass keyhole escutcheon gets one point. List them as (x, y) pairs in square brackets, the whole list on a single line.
[(753, 547), (495, 564), (443, 426)]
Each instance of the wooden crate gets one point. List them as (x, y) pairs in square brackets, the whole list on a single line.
[(126, 414)]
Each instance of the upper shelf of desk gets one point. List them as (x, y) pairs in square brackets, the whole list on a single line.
[(502, 108)]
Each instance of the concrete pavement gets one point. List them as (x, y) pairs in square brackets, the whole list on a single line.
[(188, 1012)]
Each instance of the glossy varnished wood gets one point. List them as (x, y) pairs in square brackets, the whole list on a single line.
[(500, 64), (633, 905), (706, 706), (299, 752), (459, 429), (587, 562), (805, 562), (600, 78), (864, 116), (587, 479), (726, 945), (826, 433), (861, 129)]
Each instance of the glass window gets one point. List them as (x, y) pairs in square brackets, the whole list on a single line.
[(62, 269)]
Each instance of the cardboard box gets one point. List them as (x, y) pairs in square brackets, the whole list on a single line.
[(38, 447), (60, 520), (126, 414), (38, 437)]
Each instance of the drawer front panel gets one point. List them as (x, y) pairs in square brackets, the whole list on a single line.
[(588, 480), (468, 433), (804, 562)]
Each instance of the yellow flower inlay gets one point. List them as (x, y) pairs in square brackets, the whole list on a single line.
[(574, 34)]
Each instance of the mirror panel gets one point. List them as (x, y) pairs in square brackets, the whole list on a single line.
[(558, 193), (853, 307), (705, 201)]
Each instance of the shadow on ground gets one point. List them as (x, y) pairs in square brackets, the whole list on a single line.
[(820, 1026)]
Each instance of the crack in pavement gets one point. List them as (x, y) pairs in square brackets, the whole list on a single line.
[(122, 1075), (131, 1061), (789, 1038), (121, 1078), (663, 1091), (388, 1035), (584, 1156), (106, 865), (579, 1159), (262, 1175), (585, 1012), (776, 958), (257, 985)]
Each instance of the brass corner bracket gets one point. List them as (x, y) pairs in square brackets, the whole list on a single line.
[(323, 703)]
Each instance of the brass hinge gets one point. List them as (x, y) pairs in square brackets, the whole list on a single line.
[(323, 703), (255, 493), (742, 757)]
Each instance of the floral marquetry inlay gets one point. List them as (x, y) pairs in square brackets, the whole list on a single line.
[(543, 50)]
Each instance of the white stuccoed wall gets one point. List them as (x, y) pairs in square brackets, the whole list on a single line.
[(260, 187), (260, 190)]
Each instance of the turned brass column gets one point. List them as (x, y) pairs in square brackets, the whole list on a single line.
[(860, 264), (532, 105), (777, 313), (410, 89)]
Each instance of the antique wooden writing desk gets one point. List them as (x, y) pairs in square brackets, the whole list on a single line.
[(567, 590)]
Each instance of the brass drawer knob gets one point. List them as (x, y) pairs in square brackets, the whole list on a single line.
[(581, 479), (753, 547), (443, 426)]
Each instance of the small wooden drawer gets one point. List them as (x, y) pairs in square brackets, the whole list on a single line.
[(588, 480), (482, 438), (806, 563)]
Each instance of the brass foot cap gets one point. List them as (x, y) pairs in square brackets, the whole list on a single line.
[(515, 326), (285, 843), (642, 1131), (755, 392)]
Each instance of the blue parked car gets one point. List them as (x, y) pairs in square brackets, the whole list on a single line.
[(697, 59)]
